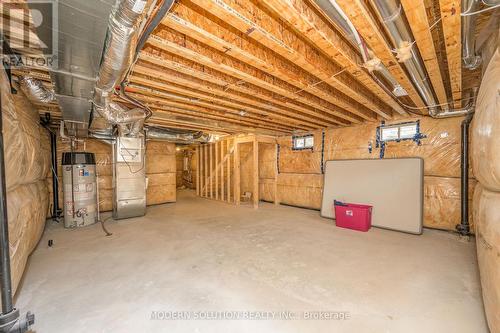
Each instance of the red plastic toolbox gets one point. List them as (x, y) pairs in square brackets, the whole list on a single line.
[(353, 216)]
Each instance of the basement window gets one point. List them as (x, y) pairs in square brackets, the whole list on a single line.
[(403, 131), (303, 142)]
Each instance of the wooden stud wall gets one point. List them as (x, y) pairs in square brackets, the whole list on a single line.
[(220, 172)]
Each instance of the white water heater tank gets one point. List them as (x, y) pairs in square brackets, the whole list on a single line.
[(80, 189)]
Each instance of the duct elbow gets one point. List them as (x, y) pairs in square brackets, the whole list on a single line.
[(472, 62), (36, 91)]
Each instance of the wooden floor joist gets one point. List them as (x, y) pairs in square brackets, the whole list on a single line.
[(218, 103), (359, 15), (317, 78), (159, 91), (223, 121), (311, 27), (277, 67), (451, 23), (292, 107), (308, 99), (161, 103), (420, 27), (260, 107)]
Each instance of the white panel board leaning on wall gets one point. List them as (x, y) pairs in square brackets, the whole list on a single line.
[(394, 187)]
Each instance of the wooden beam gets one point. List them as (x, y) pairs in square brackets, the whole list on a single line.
[(163, 101), (228, 173), (451, 23), (217, 95), (210, 147), (198, 165), (417, 18), (205, 155), (276, 194), (233, 84), (210, 101), (216, 147), (359, 15), (308, 72), (222, 179), (255, 173), (236, 176), (312, 27), (284, 90), (188, 123)]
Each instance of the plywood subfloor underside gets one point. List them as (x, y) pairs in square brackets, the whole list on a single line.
[(202, 255)]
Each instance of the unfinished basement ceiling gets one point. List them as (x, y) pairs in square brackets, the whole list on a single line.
[(276, 67)]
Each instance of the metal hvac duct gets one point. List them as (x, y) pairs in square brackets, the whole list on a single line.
[(155, 133), (469, 57), (118, 55), (468, 109), (81, 31), (161, 134), (391, 13), (332, 9), (469, 8), (35, 90)]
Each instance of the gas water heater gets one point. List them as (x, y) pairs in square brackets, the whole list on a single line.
[(80, 189)]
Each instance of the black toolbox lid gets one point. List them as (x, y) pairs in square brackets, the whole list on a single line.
[(78, 158)]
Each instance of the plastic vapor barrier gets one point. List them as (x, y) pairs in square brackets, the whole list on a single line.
[(485, 151), (27, 162), (485, 129)]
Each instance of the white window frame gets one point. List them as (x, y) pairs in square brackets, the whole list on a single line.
[(303, 142), (395, 133)]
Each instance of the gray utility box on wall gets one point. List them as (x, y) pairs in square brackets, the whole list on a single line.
[(80, 189), (129, 177)]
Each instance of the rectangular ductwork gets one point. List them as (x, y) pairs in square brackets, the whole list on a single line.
[(82, 27)]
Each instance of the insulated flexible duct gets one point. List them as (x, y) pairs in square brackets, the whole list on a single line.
[(469, 57), (118, 55), (35, 90), (163, 134), (337, 15), (154, 133), (391, 13)]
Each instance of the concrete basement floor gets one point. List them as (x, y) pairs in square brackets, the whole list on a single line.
[(199, 255)]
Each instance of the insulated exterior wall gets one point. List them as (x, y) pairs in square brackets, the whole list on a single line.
[(27, 161), (179, 162), (485, 150), (267, 171), (160, 170), (300, 181)]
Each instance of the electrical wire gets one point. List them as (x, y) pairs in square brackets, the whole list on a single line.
[(143, 162), (150, 26), (479, 11), (104, 227)]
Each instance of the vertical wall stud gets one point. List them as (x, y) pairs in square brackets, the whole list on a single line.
[(255, 173), (216, 144), (222, 180), (236, 177)]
